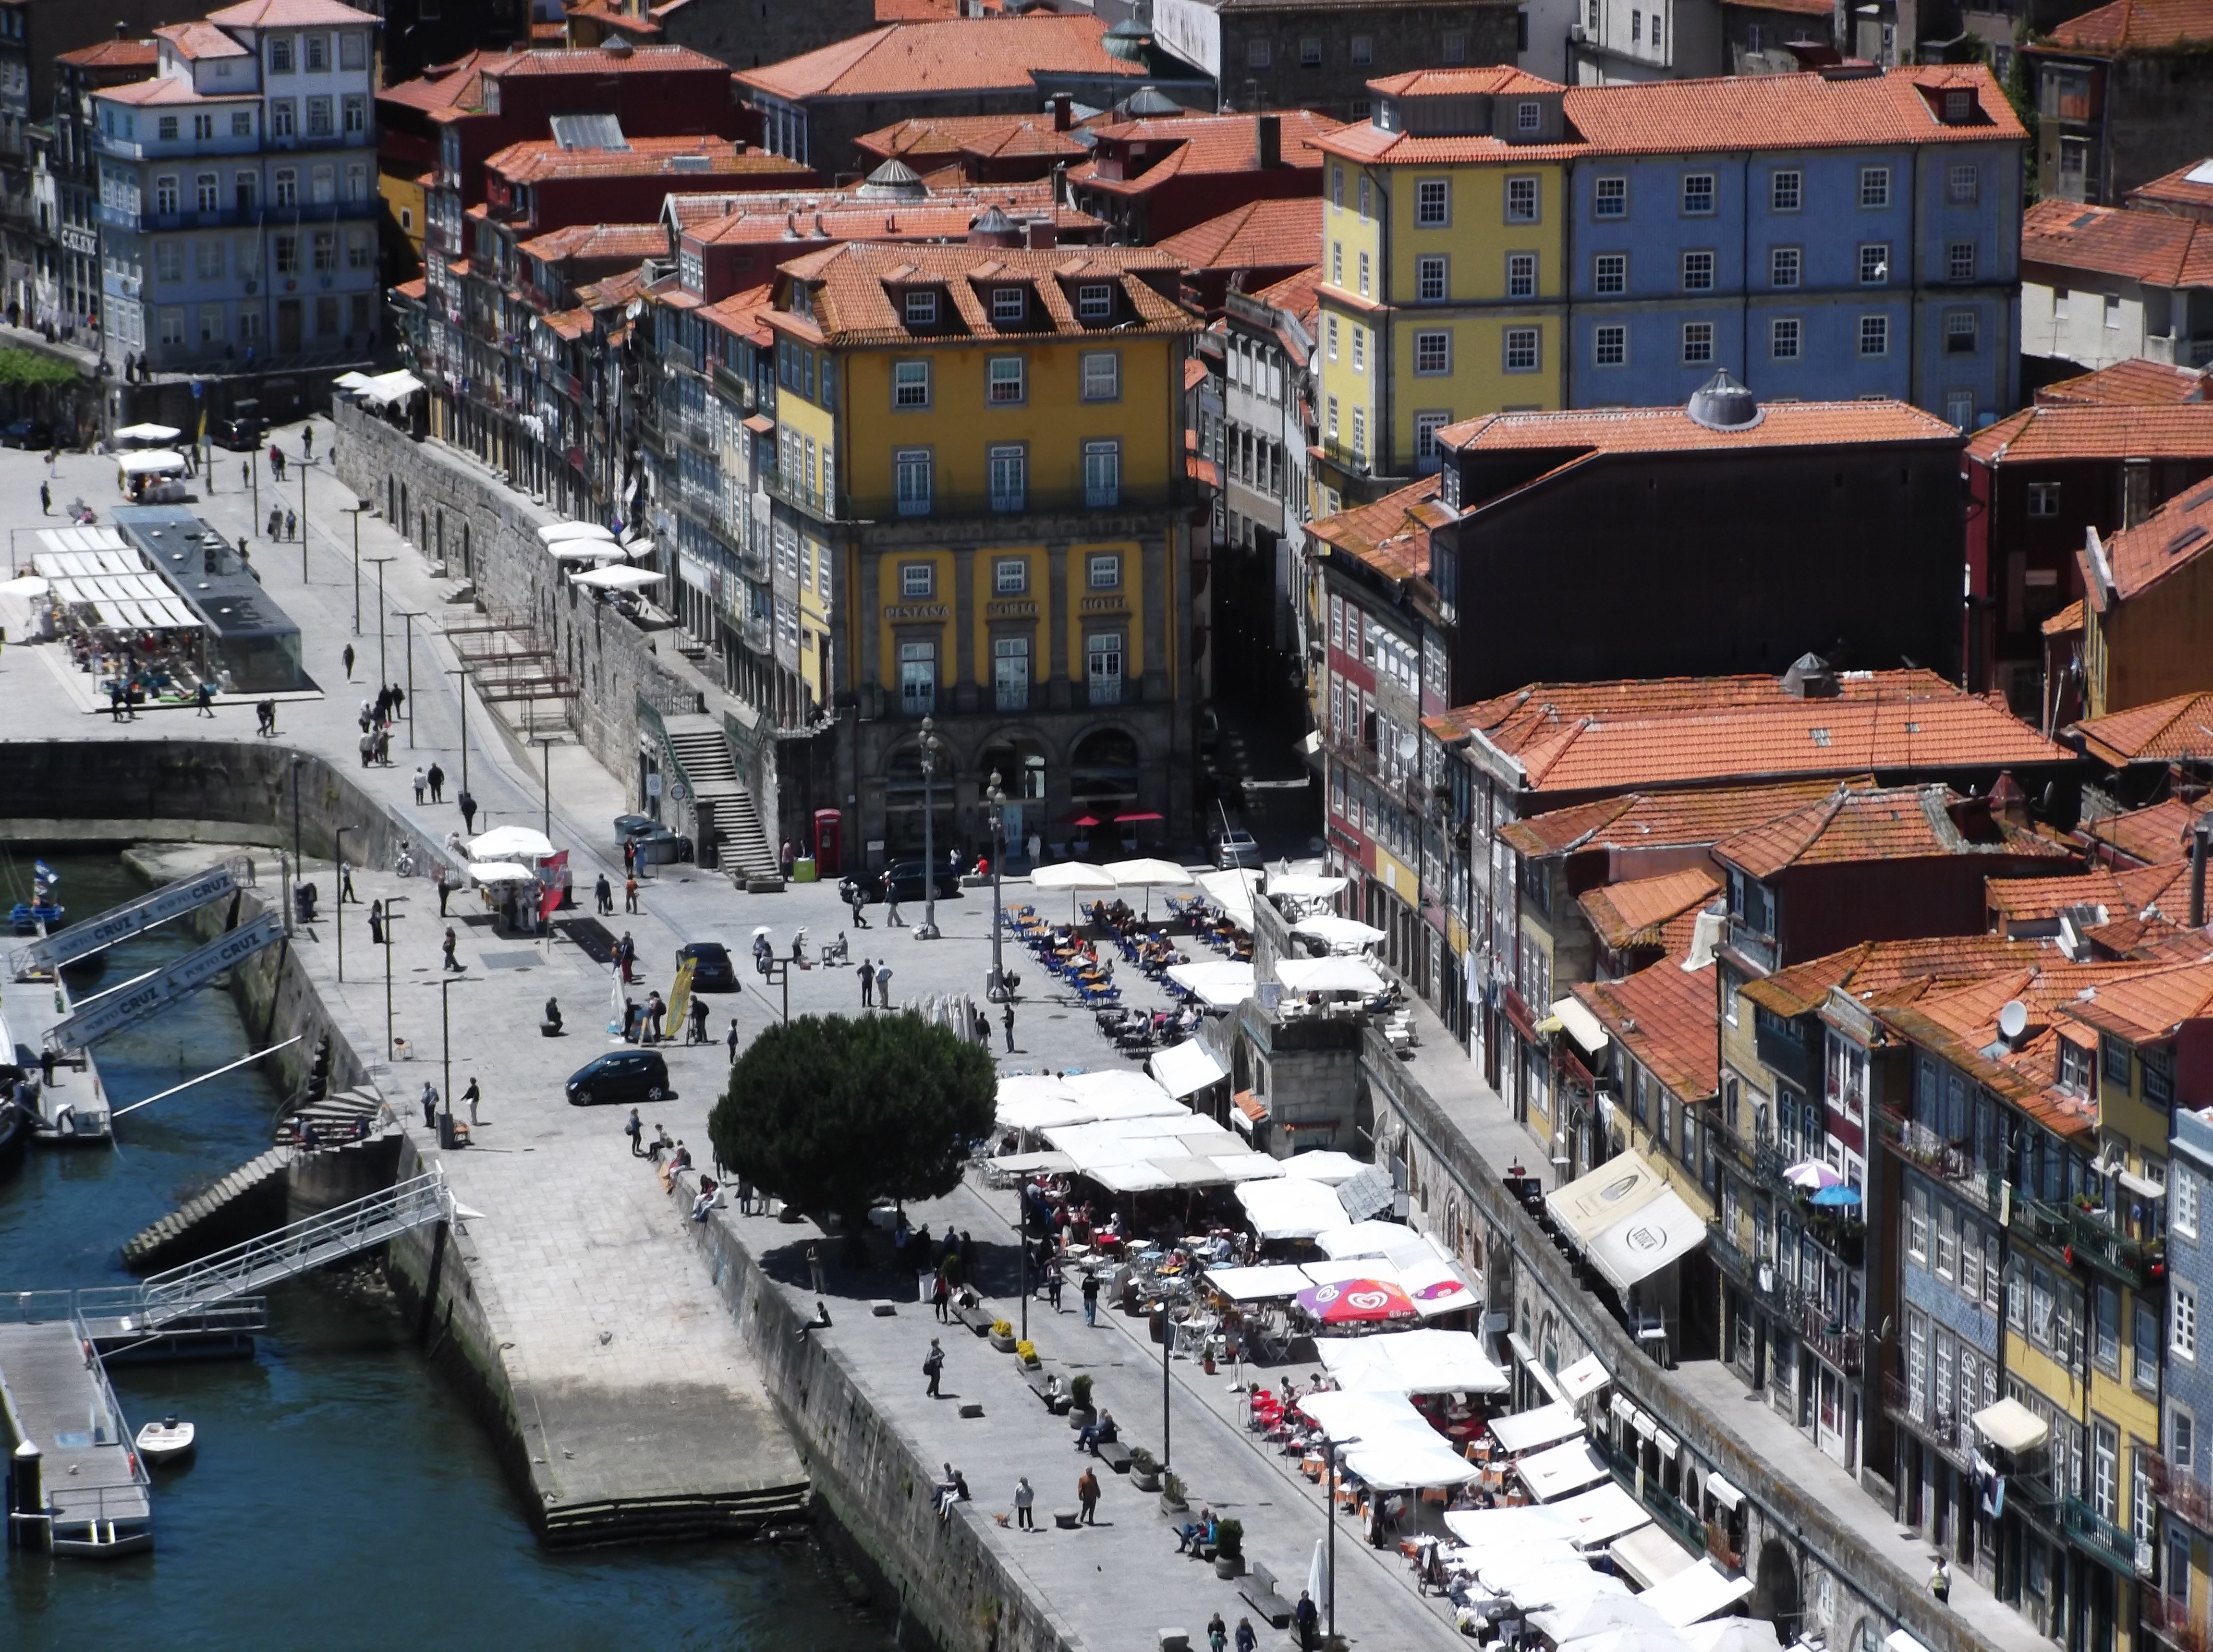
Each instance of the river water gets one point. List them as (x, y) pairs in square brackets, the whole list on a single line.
[(343, 1496)]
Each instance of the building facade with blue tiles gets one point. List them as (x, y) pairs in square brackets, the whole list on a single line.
[(2185, 1438), (1494, 242)]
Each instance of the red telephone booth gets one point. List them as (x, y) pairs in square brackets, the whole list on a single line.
[(828, 823)]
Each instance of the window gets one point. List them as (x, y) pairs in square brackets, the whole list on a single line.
[(321, 186), (1432, 353), (173, 325), (1610, 347), (1008, 306), (1635, 26), (318, 54), (1959, 260), (922, 308), (2158, 1077), (2044, 498), (169, 260), (1332, 425), (1959, 408), (280, 55), (2113, 1057), (917, 581), (2182, 1320), (245, 184), (1010, 672), (284, 187), (1359, 349), (1786, 191), (2106, 1328), (1432, 202), (1102, 375), (1697, 272), (1785, 265), (911, 469), (1917, 1224), (357, 182), (1360, 433), (1332, 338), (1256, 54), (1610, 198), (165, 128), (1363, 274), (203, 127), (917, 678), (1520, 200), (212, 323), (1429, 278), (2181, 1439), (1875, 187), (207, 193), (1009, 468), (1336, 264), (1697, 342), (165, 195), (1528, 117), (1094, 301), (285, 254), (1960, 339), (1363, 48), (910, 384), (1336, 187), (325, 252), (2143, 1348), (1309, 51), (1102, 474), (210, 259), (353, 51), (356, 116), (319, 118), (357, 249), (241, 123), (281, 116), (1102, 661), (2183, 1213), (1874, 335), (1005, 381), (1874, 263), (1520, 275), (1963, 184), (1455, 45), (1521, 350), (1698, 194), (1426, 426), (1610, 273)]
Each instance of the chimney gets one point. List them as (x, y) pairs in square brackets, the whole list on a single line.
[(1267, 142), (2136, 491), (1810, 678), (1044, 233), (1063, 114), (2201, 844), (122, 30)]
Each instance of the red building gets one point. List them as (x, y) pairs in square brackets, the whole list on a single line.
[(1152, 178)]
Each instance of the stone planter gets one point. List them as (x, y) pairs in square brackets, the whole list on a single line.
[(1146, 1482), (1174, 1511), (1228, 1566), (1004, 1344), (1082, 1417)]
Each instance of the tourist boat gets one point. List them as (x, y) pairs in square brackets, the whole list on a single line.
[(166, 1441), (26, 918)]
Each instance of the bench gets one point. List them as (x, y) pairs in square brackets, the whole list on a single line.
[(1262, 1595), (978, 1320), (1055, 1400), (1115, 1454)]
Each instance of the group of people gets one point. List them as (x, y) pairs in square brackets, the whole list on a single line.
[(283, 524), (429, 783), (375, 721)]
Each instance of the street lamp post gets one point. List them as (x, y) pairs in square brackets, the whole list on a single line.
[(383, 676), (997, 797), (390, 918), (359, 506), (338, 893), (930, 744), (462, 689), (410, 616), (304, 463), (1167, 1344), (546, 780), (1329, 1492)]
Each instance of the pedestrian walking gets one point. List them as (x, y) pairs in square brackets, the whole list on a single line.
[(384, 748), (604, 893), (933, 1366), (444, 888), (291, 525), (625, 954), (1304, 1617), (1053, 1280), (1090, 1297), (422, 785), (1940, 1580), (867, 985), (375, 923), (1007, 1020), (941, 1298), (1217, 1634), (1087, 1493), (345, 885), (884, 984), (630, 892), (45, 501), (891, 902), (450, 943), (437, 779), (630, 856), (634, 1127), (814, 1267), (399, 701), (857, 897), (308, 442), (276, 461), (368, 748), (1025, 1497), (266, 710), (246, 473), (472, 1095), (115, 701), (733, 1040), (205, 698), (346, 656), (1248, 1639), (467, 805), (275, 530), (429, 1105)]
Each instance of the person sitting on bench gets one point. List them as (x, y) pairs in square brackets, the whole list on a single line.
[(1092, 1436), (1195, 1535)]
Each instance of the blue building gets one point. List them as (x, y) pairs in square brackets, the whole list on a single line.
[(2185, 1429), (238, 202)]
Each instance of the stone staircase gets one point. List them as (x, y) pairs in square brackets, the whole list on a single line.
[(349, 1115), (258, 1182), (725, 808)]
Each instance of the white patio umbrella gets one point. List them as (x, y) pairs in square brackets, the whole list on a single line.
[(1328, 975), (510, 843), (147, 433), (553, 533), (1148, 874), (616, 579), (29, 586), (1812, 1176), (500, 872), (581, 549), (1071, 875), (1338, 933)]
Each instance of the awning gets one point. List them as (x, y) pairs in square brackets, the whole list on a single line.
[(152, 461), (1287, 1209), (1588, 1519), (1327, 1166), (1402, 1246), (1723, 1493), (616, 579), (2011, 1426), (1219, 984), (1187, 1068), (388, 387), (1305, 975), (1665, 1444), (1898, 1641), (1648, 1556), (1554, 1474), (1591, 1204), (1698, 1591), (1531, 1430), (1544, 1378), (1033, 1164), (1259, 1284), (1581, 1025), (1663, 1231), (2140, 1186), (1641, 1423), (1233, 891), (1438, 1287), (1412, 1362), (1585, 1377), (1599, 1514)]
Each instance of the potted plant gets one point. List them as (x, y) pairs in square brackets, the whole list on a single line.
[(1145, 1469), (1229, 1548), (1002, 1337), (1079, 1414), (1173, 1504), (1027, 1353)]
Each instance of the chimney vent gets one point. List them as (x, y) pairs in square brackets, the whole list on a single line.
[(1267, 142)]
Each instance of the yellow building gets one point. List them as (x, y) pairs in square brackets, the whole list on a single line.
[(981, 473), (1443, 290)]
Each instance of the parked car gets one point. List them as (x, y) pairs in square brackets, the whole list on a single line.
[(240, 433), (1233, 847), (710, 965), (623, 1077), (27, 433), (907, 879)]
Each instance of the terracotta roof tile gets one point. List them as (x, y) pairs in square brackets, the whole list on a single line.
[(2164, 731), (566, 324), (1391, 536), (2147, 836), (164, 90), (2134, 559), (1206, 145), (2190, 188), (1297, 293), (1633, 913), (2067, 621), (1489, 81), (287, 14), (539, 159), (1865, 823), (2148, 1006), (928, 138), (1258, 234), (455, 85), (1667, 1018), (769, 218), (957, 55), (2136, 382), (1665, 430), (2027, 899), (2152, 247), (2138, 25), (1878, 967), (598, 60), (195, 40), (2041, 436), (1662, 820), (598, 241), (113, 54)]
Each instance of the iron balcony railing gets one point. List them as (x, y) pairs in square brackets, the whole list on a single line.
[(1952, 1161), (2104, 1539), (2178, 1491), (1756, 947), (1941, 1428), (2088, 1237)]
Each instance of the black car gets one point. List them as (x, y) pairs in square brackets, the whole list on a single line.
[(710, 965), (906, 878), (241, 433), (27, 433), (621, 1076)]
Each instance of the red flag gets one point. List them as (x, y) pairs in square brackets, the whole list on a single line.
[(552, 873)]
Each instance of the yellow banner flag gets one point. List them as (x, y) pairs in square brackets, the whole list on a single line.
[(680, 996)]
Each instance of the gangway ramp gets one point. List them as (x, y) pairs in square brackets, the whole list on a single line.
[(133, 918)]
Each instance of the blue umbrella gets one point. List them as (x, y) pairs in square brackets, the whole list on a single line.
[(1838, 1195)]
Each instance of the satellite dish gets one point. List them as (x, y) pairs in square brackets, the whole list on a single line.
[(2013, 1020)]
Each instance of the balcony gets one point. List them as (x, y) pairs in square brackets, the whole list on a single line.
[(2104, 1539), (1951, 1162), (2088, 1237), (2179, 1492), (2172, 1621), (1945, 1432), (1757, 949), (759, 635), (1406, 786)]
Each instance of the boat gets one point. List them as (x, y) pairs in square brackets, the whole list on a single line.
[(166, 1441), (26, 918)]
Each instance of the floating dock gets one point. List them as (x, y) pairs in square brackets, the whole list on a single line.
[(75, 1483)]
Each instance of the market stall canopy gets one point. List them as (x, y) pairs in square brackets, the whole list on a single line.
[(1328, 975), (1736, 1635), (149, 433), (1395, 1448), (1554, 1474), (1118, 1093), (152, 461), (1234, 891), (1438, 1287), (1533, 1430), (29, 586), (581, 549), (616, 579), (1217, 983), (2011, 1426), (1267, 1283), (554, 533), (1338, 933), (99, 541), (1071, 875), (1581, 1025), (1648, 1556), (1590, 1518), (1286, 1208), (386, 388), (1328, 1166), (510, 843), (1033, 1164), (1187, 1068), (500, 872), (1601, 1613), (1303, 886), (1585, 1377), (1412, 1362), (1698, 1591), (1402, 1246), (1148, 874)]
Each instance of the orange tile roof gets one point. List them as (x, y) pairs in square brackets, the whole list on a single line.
[(1494, 81), (1665, 430), (925, 138), (694, 213), (1297, 293), (2164, 731), (288, 14), (199, 40), (2149, 1007), (1871, 823), (537, 160), (164, 90), (1206, 145), (566, 324), (2134, 559), (2147, 836), (851, 292), (2136, 382), (2138, 25), (740, 313), (2067, 621), (1258, 234), (1664, 731), (1661, 819), (2043, 436), (2190, 187), (1667, 1018), (1755, 112), (648, 59), (955, 55), (1633, 913), (415, 289), (2131, 890), (1391, 536), (113, 54), (777, 219), (2153, 247), (455, 85), (595, 241), (610, 292), (1879, 967)]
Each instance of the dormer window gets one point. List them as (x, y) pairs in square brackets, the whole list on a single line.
[(1958, 107), (1528, 117), (1007, 305), (1094, 301), (922, 309)]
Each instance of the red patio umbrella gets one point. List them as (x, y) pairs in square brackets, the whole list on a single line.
[(1356, 1301)]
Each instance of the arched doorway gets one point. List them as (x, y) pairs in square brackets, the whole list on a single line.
[(904, 791), (1103, 783), (1019, 763), (1774, 1594)]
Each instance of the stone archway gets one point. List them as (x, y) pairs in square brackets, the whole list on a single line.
[(1776, 1594)]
